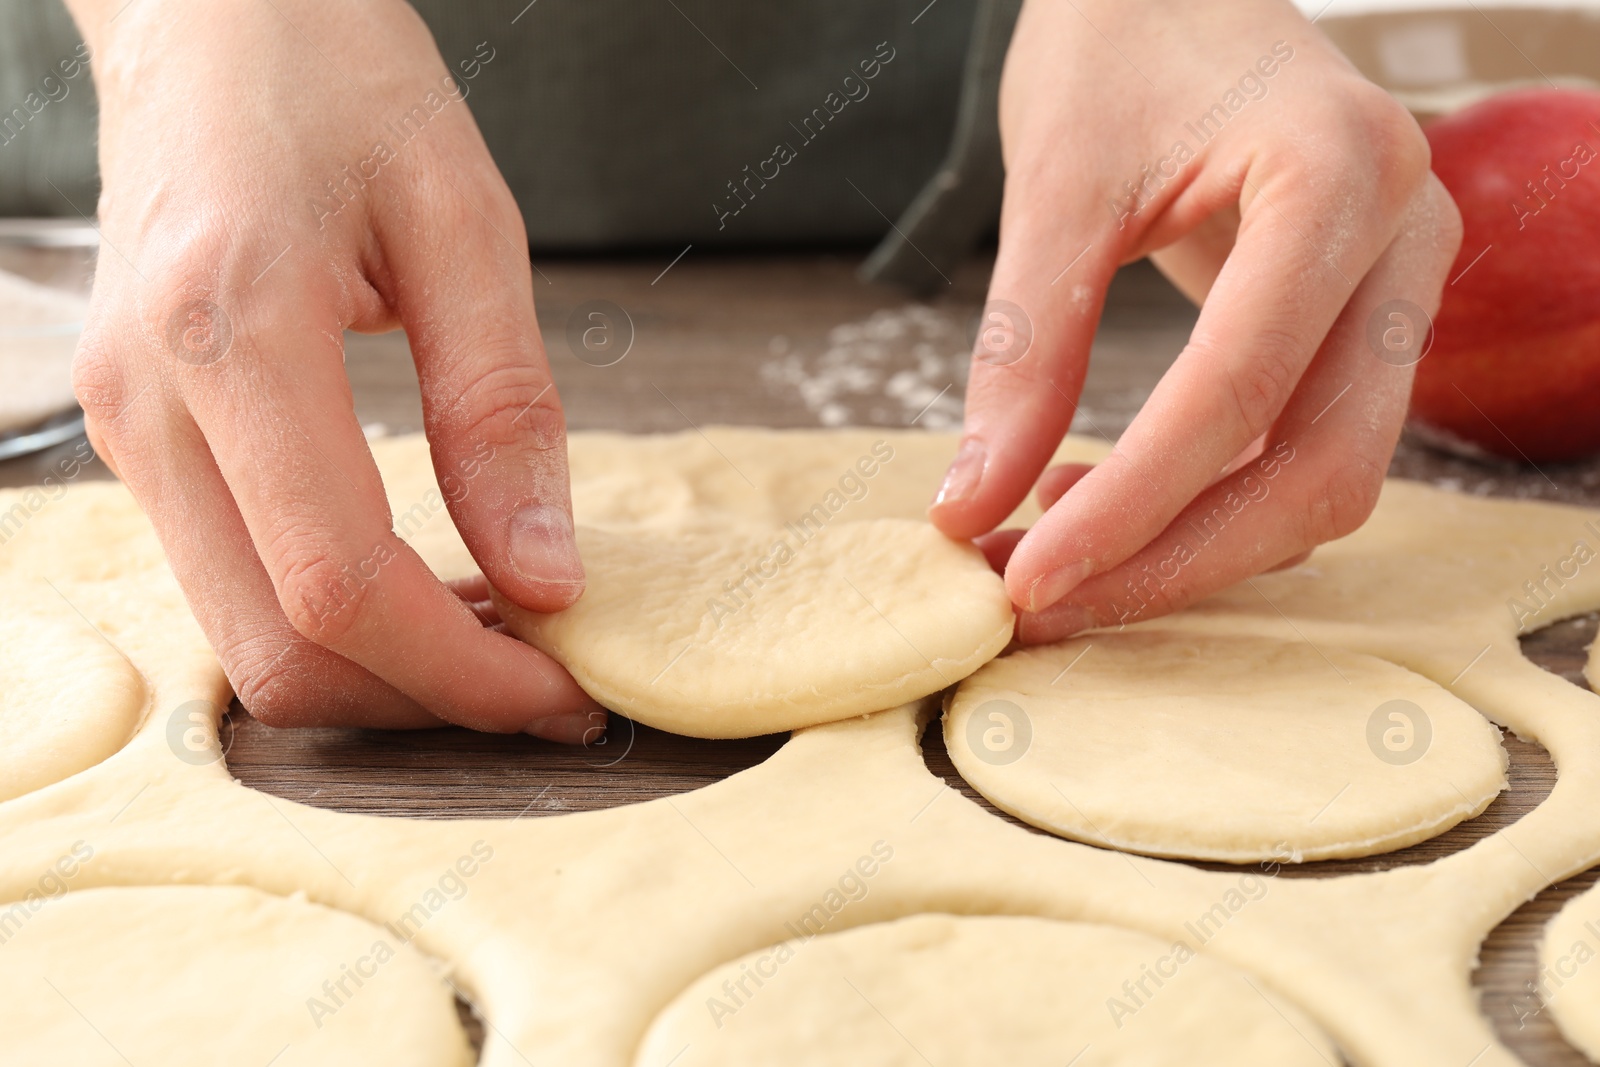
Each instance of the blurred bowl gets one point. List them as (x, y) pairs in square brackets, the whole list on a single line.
[(1438, 56), (46, 270)]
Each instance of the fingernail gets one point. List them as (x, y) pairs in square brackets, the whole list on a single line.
[(966, 471), (543, 548), (1058, 583), (1056, 624), (571, 728)]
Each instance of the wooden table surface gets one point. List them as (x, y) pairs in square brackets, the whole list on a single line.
[(712, 337)]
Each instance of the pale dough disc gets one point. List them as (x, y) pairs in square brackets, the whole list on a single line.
[(68, 699), (743, 632), (981, 990), (1222, 748), (1569, 973), (214, 975)]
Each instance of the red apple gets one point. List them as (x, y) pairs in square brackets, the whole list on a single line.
[(1515, 363)]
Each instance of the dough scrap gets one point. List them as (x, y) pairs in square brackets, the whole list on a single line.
[(1221, 748), (925, 989), (743, 632), (184, 975)]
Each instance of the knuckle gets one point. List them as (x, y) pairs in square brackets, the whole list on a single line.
[(1392, 138), (190, 260), (324, 598), (185, 314), (98, 381), (484, 204), (507, 406), (1348, 497), (1434, 210), (1146, 594), (269, 677), (1260, 386)]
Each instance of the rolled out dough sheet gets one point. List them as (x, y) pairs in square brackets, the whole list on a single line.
[(585, 926)]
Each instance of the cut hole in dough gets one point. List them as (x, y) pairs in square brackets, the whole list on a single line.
[(1234, 748), (454, 773), (183, 975), (1509, 977), (742, 633), (68, 699), (964, 990), (1553, 648)]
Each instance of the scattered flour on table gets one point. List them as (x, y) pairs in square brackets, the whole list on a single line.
[(906, 365)]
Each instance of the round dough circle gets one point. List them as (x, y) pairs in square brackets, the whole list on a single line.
[(1227, 748), (743, 633), (67, 698), (199, 975), (948, 989), (1569, 976)]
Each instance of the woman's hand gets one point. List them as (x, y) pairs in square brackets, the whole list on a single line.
[(275, 173), (1273, 184)]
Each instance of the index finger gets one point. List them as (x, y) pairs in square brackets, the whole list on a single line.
[(1288, 277), (274, 405)]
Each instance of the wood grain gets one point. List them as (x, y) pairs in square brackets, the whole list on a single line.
[(703, 331)]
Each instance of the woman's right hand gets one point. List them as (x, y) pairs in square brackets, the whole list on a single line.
[(274, 174)]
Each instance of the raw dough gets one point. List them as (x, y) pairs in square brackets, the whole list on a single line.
[(70, 698), (1221, 748), (39, 329), (1439, 582), (78, 531), (743, 633), (1568, 982), (708, 480), (181, 976), (584, 926), (925, 990), (724, 566), (705, 477)]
